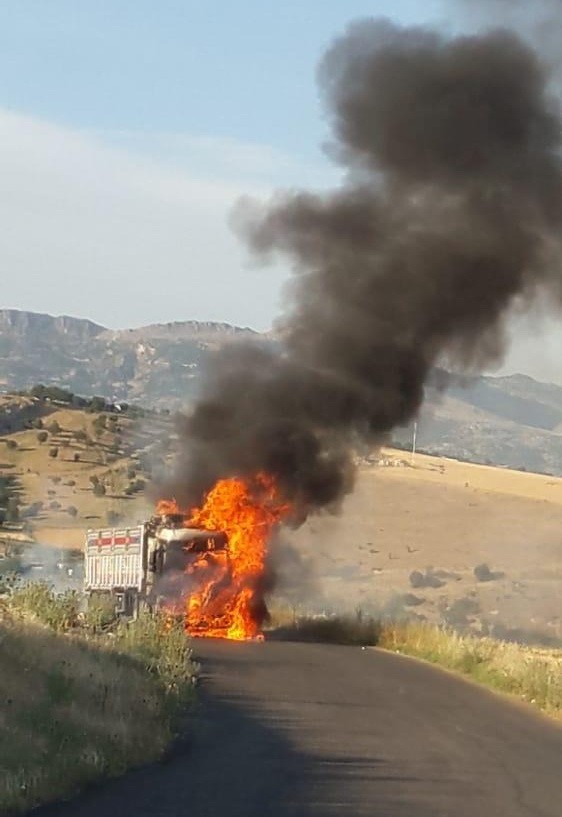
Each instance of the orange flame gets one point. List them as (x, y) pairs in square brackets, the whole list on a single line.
[(228, 601)]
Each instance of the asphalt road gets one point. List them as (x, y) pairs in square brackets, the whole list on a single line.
[(295, 729)]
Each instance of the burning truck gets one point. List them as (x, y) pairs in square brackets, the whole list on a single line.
[(208, 564)]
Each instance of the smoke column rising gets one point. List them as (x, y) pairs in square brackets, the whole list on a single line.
[(449, 216)]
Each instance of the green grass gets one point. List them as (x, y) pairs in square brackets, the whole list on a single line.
[(76, 705)]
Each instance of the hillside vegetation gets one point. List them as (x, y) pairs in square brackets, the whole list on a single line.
[(80, 704), (66, 467)]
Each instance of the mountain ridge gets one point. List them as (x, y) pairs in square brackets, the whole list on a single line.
[(511, 420)]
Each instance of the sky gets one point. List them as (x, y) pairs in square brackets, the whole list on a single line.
[(130, 128)]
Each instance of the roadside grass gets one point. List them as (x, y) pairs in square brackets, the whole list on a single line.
[(532, 674), (78, 704)]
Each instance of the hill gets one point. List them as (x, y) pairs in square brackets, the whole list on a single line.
[(474, 547), (65, 468), (156, 365), (510, 421)]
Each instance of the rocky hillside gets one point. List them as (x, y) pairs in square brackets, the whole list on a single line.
[(513, 421), (156, 365)]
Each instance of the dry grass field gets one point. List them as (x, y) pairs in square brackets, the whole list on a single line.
[(439, 519)]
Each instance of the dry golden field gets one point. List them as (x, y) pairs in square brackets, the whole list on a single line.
[(449, 517)]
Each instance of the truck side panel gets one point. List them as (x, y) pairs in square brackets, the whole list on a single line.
[(114, 558)]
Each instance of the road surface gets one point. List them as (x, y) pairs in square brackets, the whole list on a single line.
[(295, 729)]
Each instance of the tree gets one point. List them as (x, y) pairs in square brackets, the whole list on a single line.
[(76, 457), (94, 479), (97, 404), (54, 427), (99, 489), (42, 436), (53, 452), (80, 435), (13, 510), (72, 511)]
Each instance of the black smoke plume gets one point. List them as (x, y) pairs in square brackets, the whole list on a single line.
[(449, 217)]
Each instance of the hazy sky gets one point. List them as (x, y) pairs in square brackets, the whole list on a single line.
[(128, 128)]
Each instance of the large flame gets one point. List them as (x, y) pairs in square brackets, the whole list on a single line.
[(227, 601)]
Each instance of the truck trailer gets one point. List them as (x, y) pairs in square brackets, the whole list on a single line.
[(148, 564)]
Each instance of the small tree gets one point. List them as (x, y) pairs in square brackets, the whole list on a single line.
[(12, 510), (53, 452), (42, 436), (72, 511), (54, 427), (99, 489), (76, 457)]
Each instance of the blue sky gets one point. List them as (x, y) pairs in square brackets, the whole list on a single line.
[(129, 128), (242, 70)]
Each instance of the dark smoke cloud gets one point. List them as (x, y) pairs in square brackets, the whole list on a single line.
[(449, 216)]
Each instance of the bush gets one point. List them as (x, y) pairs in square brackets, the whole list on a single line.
[(11, 445), (71, 483), (37, 423), (100, 613), (32, 510), (53, 428), (359, 630), (131, 472), (99, 489), (80, 435), (58, 611), (76, 457), (53, 452), (55, 506), (72, 511), (94, 479), (42, 436), (12, 510)]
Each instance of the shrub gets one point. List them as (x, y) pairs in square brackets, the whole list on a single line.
[(42, 436), (76, 457), (80, 435), (99, 489), (11, 444), (38, 599), (131, 472), (53, 428), (54, 452), (55, 506), (94, 479), (12, 510), (72, 511)]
